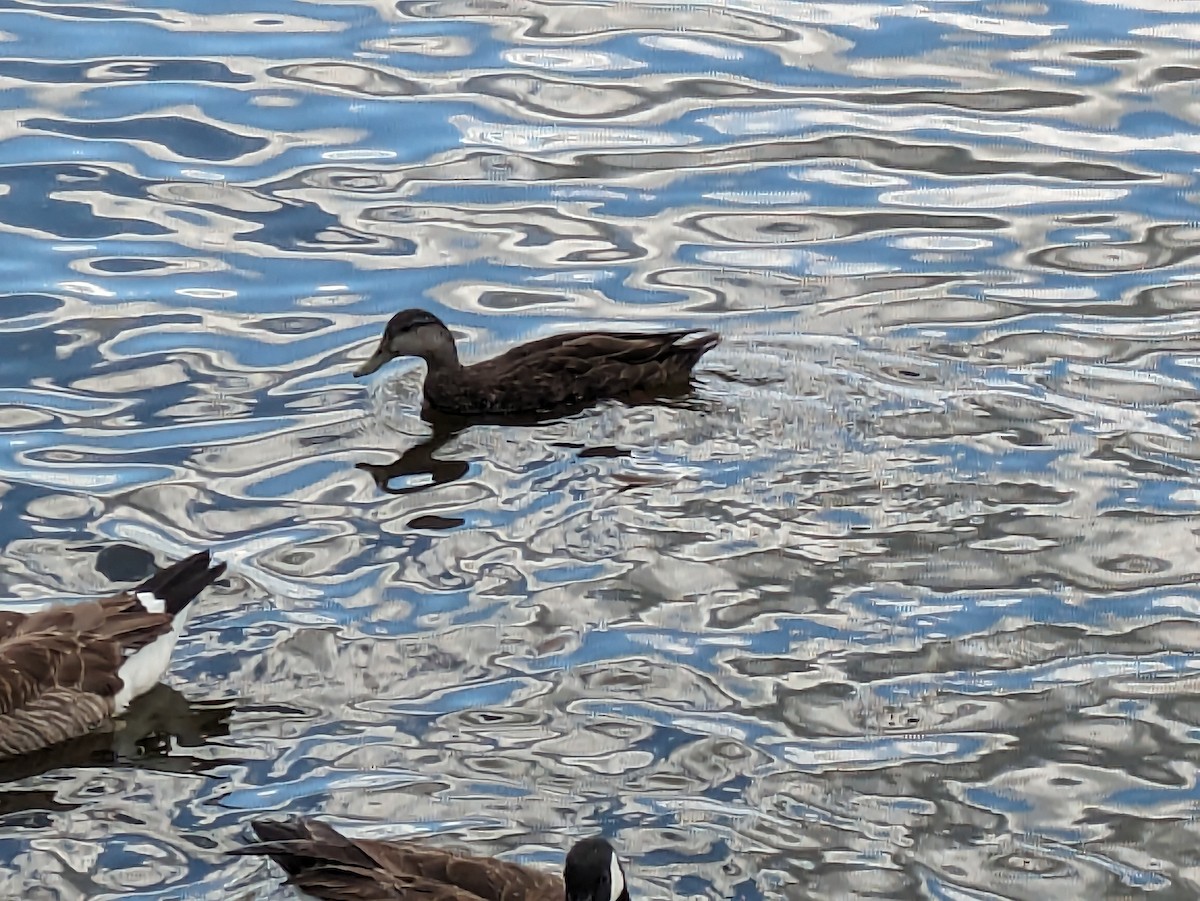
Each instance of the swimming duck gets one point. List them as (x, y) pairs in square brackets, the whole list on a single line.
[(324, 863), (68, 668), (559, 372)]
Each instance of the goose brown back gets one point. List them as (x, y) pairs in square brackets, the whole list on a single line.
[(67, 669), (326, 864)]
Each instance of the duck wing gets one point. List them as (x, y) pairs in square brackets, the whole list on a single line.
[(321, 861), (580, 351), (580, 368)]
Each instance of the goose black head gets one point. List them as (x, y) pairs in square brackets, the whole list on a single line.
[(410, 333), (593, 872)]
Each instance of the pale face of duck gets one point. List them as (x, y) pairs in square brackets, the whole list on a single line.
[(593, 873), (410, 333)]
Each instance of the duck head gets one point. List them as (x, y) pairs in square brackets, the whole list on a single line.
[(593, 873), (410, 333)]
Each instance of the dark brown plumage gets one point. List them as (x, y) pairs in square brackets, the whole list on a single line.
[(66, 669), (559, 372), (324, 863)]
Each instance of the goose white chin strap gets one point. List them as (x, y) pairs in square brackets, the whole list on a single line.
[(616, 879)]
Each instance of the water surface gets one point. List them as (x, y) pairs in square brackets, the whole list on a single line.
[(900, 604)]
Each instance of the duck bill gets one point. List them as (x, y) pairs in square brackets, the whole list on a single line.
[(377, 359)]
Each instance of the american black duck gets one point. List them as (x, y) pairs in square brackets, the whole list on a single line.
[(324, 863), (558, 372), (68, 668)]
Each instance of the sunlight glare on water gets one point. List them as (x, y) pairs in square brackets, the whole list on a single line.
[(900, 603)]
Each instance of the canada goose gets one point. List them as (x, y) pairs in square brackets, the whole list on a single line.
[(324, 863), (558, 372), (68, 668)]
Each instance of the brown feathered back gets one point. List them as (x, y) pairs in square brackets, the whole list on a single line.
[(60, 666), (321, 861), (572, 370), (56, 676)]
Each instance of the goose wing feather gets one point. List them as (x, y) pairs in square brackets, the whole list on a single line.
[(321, 861), (59, 668), (57, 676)]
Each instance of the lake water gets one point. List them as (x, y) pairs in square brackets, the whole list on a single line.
[(901, 603)]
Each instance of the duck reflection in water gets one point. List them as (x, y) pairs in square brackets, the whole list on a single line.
[(418, 460), (398, 476)]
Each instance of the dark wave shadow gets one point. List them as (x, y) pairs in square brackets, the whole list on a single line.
[(155, 723)]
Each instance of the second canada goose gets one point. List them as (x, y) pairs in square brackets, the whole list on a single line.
[(66, 669), (322, 862), (558, 372)]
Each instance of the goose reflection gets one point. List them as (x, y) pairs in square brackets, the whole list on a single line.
[(147, 735)]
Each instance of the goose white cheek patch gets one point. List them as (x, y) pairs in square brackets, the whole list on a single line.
[(616, 879), (151, 602)]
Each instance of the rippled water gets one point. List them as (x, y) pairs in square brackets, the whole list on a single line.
[(901, 604)]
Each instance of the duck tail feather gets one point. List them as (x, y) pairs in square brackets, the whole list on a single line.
[(694, 345)]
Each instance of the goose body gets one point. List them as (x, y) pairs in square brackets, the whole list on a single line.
[(559, 372), (325, 864), (67, 669)]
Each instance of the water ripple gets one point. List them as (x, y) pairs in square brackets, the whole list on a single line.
[(900, 604)]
